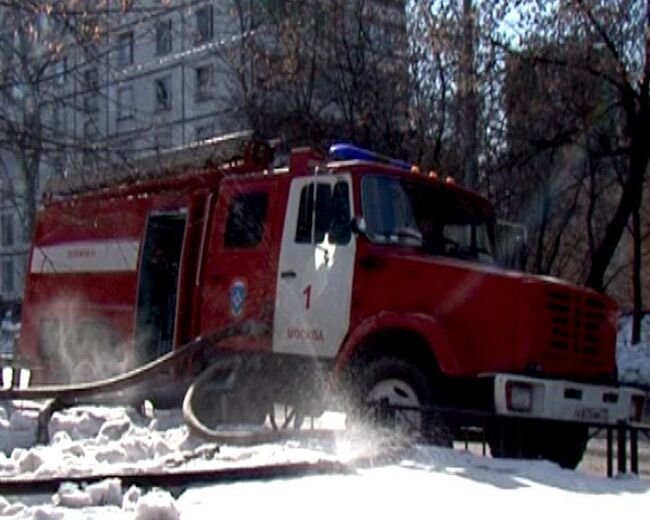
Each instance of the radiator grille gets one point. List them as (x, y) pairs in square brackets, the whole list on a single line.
[(576, 321)]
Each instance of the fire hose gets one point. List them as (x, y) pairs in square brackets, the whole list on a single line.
[(240, 434), (225, 369), (60, 396), (70, 393)]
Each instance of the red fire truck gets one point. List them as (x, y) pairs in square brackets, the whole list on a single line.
[(368, 276)]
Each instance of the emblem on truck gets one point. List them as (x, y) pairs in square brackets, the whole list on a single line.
[(238, 293)]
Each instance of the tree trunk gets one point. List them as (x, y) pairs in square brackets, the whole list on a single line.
[(468, 98), (30, 175), (636, 277), (629, 202), (541, 237)]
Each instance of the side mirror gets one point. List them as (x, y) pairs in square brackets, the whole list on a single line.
[(358, 226), (512, 244)]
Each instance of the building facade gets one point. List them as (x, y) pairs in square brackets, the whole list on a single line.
[(133, 78)]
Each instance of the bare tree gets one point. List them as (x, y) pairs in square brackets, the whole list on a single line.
[(459, 73), (309, 73), (551, 107), (609, 42), (33, 73), (28, 52)]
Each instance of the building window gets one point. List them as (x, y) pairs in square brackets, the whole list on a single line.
[(124, 102), (163, 93), (204, 132), (204, 83), (204, 27), (129, 147), (91, 132), (57, 164), (163, 138), (164, 38), (123, 149), (60, 71), (7, 225), (125, 49), (91, 103), (8, 276), (91, 135), (90, 51), (57, 118), (91, 89), (246, 218), (91, 80)]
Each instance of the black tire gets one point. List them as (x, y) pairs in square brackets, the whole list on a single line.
[(559, 442), (217, 403), (396, 381)]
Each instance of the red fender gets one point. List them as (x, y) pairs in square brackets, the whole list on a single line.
[(425, 325)]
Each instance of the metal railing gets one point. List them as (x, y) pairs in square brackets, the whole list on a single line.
[(621, 439)]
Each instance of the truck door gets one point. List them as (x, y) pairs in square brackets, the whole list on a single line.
[(158, 283), (314, 284), (238, 272)]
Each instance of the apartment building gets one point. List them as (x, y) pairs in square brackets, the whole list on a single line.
[(147, 75)]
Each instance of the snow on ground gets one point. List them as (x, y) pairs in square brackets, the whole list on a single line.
[(17, 430), (431, 483), (420, 481), (633, 361), (92, 440)]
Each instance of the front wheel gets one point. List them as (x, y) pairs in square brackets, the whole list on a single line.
[(398, 383)]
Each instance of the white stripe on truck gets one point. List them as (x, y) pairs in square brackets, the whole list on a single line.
[(86, 257)]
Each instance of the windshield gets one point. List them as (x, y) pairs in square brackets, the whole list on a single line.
[(430, 217)]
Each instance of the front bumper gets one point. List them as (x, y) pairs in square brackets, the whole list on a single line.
[(560, 400)]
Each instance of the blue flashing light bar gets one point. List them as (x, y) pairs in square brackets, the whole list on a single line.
[(349, 152)]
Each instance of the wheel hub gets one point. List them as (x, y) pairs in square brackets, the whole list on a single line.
[(399, 393)]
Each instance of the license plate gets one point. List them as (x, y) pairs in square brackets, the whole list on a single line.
[(590, 414)]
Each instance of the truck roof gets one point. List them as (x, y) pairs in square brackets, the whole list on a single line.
[(199, 164), (205, 164)]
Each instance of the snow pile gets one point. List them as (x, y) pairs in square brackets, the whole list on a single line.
[(425, 479), (633, 361), (99, 500), (8, 334), (105, 493), (429, 482), (100, 441), (157, 505), (94, 440), (18, 429)]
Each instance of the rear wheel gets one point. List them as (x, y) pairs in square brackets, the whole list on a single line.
[(394, 381), (562, 443), (229, 393)]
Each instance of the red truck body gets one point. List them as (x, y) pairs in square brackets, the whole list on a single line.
[(240, 242), (87, 257)]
